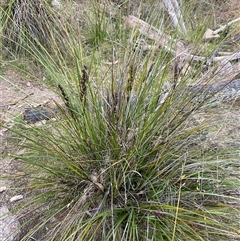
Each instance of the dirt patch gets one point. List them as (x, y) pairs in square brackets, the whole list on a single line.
[(227, 11), (17, 93)]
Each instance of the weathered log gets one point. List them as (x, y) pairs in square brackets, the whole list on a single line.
[(153, 33)]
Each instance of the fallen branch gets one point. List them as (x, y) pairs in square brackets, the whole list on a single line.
[(153, 33), (177, 48), (175, 14), (222, 28), (234, 56)]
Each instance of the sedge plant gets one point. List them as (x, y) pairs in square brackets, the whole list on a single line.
[(123, 160)]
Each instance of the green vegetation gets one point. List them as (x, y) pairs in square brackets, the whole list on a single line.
[(123, 160), (24, 20)]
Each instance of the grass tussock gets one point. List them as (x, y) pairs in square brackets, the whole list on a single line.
[(23, 21), (124, 159)]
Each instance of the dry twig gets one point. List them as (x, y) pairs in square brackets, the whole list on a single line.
[(222, 28)]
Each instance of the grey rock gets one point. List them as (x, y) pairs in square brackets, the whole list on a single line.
[(225, 86), (9, 225), (33, 115)]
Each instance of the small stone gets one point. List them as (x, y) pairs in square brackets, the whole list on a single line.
[(56, 4), (94, 178), (3, 131), (16, 198), (2, 189), (28, 84), (209, 35), (40, 123)]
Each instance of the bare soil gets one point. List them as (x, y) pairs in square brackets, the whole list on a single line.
[(19, 92)]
